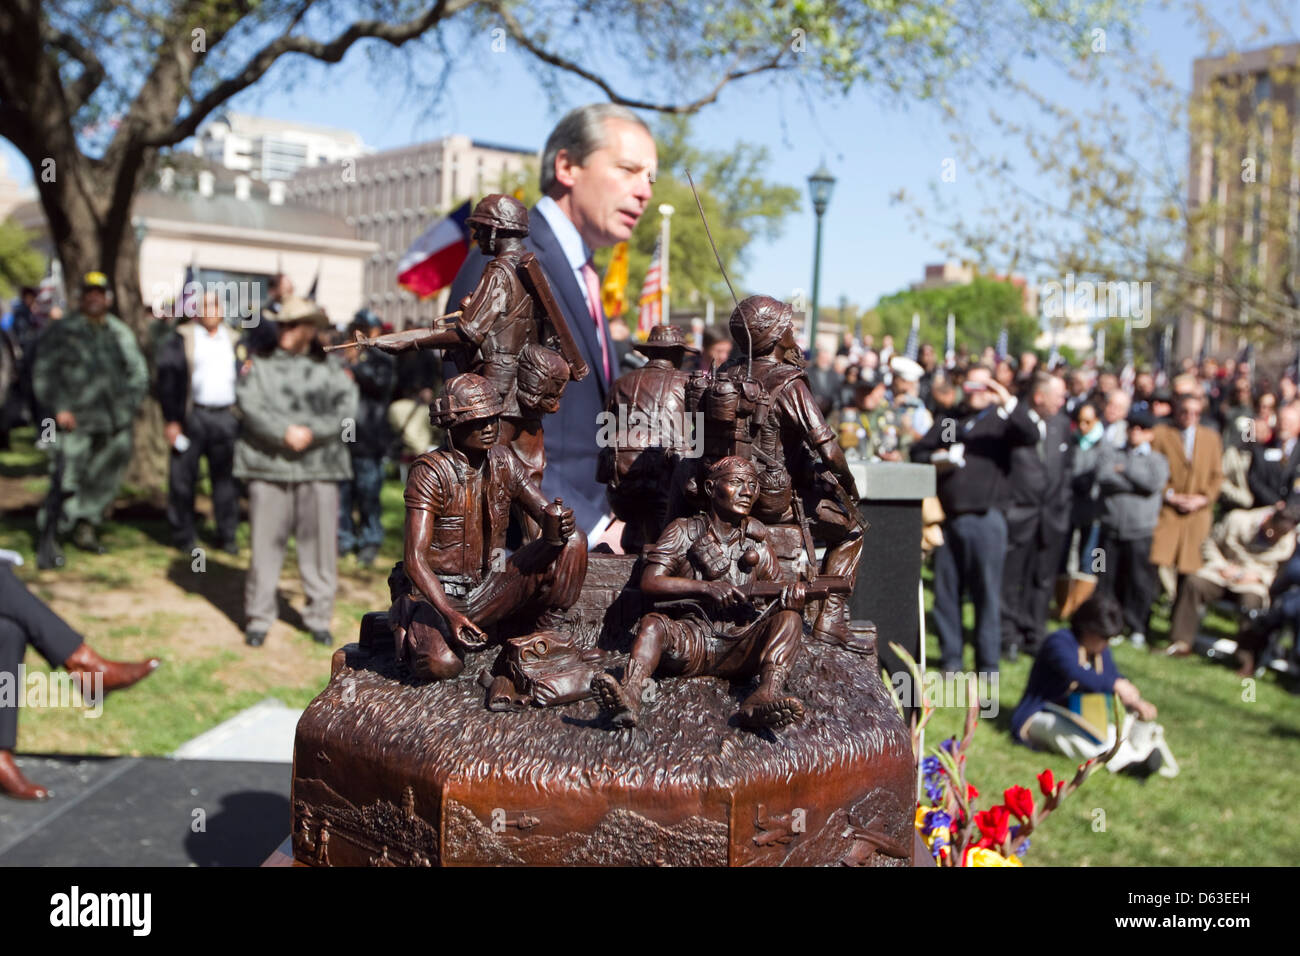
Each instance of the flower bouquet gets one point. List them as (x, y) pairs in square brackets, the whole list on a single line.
[(950, 825)]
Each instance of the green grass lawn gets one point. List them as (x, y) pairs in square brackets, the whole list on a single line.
[(1238, 750), (1238, 746)]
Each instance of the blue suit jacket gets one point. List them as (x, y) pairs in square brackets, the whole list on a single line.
[(571, 450)]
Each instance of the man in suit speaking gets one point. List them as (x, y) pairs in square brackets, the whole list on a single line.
[(597, 174)]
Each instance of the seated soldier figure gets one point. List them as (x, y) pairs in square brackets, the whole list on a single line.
[(711, 556), (458, 579)]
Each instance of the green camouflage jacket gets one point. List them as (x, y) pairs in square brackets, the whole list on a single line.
[(283, 390), (92, 369)]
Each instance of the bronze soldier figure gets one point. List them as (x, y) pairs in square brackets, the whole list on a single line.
[(717, 557), (458, 580), (759, 405), (510, 309), (652, 434)]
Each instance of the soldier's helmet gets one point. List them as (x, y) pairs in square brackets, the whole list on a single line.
[(766, 319), (467, 397), (505, 214)]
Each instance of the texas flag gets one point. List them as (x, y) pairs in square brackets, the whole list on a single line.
[(435, 258)]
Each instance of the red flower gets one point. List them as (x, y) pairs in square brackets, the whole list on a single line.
[(1019, 801), (971, 792), (1048, 784), (993, 823)]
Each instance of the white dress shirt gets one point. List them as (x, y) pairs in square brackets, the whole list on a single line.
[(212, 380), (575, 251)]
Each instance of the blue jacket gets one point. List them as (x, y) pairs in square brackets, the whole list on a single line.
[(1059, 670), (570, 434)]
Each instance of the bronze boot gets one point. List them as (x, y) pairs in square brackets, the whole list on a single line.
[(14, 784), (832, 626), (621, 702), (85, 664), (767, 707)]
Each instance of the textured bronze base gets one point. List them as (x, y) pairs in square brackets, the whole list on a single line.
[(388, 771)]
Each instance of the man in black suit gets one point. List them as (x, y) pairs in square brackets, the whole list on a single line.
[(1038, 517), (1275, 467), (597, 173), (971, 447)]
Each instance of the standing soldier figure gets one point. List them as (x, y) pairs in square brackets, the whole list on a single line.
[(640, 465), (89, 372), (511, 307)]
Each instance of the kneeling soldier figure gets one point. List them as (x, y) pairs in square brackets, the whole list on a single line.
[(458, 579), (721, 557)]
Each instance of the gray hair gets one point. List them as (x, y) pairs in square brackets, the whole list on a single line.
[(580, 133)]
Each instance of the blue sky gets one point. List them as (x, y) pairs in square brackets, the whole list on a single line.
[(873, 146)]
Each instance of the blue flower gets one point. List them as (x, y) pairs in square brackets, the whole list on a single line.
[(930, 766), (933, 792), (950, 745), (1023, 848), (936, 818)]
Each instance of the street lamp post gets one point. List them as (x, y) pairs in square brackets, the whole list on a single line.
[(820, 184), (666, 211)]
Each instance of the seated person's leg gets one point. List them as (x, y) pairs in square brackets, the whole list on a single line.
[(1047, 731)]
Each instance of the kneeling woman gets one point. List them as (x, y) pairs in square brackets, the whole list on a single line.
[(1065, 705)]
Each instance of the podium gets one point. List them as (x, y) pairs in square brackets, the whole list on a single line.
[(887, 592)]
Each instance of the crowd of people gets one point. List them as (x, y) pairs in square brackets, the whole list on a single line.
[(1133, 485)]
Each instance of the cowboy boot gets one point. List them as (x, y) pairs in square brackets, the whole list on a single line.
[(14, 784), (621, 702), (767, 707), (85, 664)]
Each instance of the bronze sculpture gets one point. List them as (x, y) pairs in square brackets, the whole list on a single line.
[(714, 557), (650, 436), (759, 405), (390, 770), (458, 579), (510, 311)]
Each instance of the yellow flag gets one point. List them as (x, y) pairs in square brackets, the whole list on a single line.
[(613, 290)]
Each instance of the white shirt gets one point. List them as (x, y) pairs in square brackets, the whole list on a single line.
[(212, 381), (571, 244), (576, 252)]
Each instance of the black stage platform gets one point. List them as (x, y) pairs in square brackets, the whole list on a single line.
[(141, 811)]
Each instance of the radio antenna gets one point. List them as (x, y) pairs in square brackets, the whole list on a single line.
[(721, 268)]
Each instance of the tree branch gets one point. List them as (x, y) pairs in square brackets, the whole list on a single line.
[(92, 71), (327, 52), (516, 30)]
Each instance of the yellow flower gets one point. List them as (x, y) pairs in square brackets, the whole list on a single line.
[(920, 816), (981, 856)]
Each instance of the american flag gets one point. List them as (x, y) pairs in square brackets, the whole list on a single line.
[(651, 301)]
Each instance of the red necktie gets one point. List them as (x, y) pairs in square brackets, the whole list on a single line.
[(597, 306)]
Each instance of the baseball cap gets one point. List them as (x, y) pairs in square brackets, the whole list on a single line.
[(94, 280)]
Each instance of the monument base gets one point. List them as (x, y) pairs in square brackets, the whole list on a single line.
[(391, 771)]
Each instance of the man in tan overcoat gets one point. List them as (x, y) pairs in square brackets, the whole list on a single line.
[(1195, 456)]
